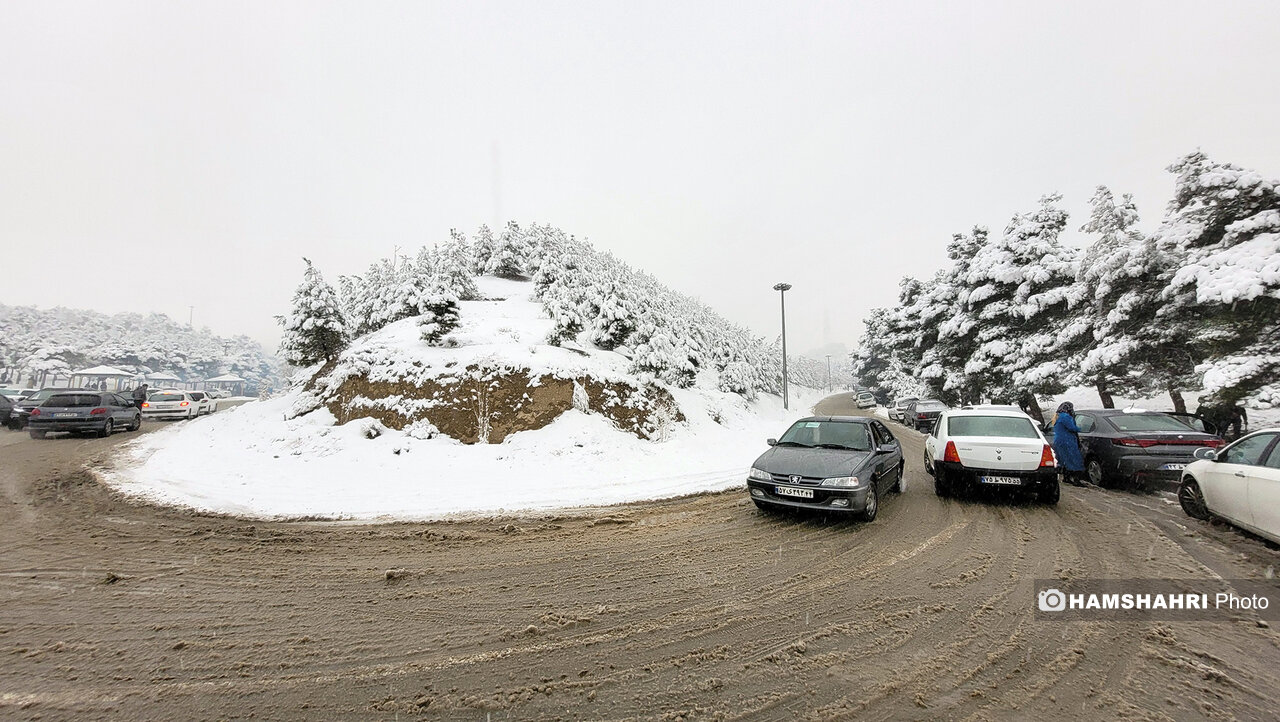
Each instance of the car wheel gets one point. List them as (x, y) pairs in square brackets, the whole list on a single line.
[(107, 429), (929, 469), (1097, 475), (873, 505), (1050, 493), (37, 434), (1192, 500), (901, 484), (941, 484), (137, 423)]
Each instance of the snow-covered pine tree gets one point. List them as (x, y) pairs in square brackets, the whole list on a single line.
[(453, 267), (1022, 293), (1120, 274), (949, 326), (481, 249), (510, 253), (314, 330), (1224, 226)]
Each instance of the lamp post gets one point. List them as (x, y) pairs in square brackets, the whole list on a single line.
[(828, 373), (782, 289)]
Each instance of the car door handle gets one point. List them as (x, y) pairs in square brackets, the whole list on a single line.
[(1240, 474)]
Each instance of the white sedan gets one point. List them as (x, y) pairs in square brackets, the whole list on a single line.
[(170, 404), (977, 447), (205, 403), (1240, 483)]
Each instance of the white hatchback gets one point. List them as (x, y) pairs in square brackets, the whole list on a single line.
[(990, 448), (1240, 483), (170, 404)]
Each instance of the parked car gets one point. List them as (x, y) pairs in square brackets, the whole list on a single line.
[(1134, 446), (899, 406), (205, 404), (16, 394), (831, 464), (921, 414), (22, 409), (97, 412), (994, 448), (6, 409), (865, 400), (170, 404), (1240, 483)]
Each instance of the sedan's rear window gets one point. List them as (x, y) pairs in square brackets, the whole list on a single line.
[(166, 397), (1146, 422), (197, 395), (835, 434), (1008, 426), (73, 401), (930, 406)]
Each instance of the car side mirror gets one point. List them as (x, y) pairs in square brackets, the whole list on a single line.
[(1206, 453), (771, 442)]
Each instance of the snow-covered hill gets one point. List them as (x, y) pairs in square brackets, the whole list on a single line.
[(379, 432)]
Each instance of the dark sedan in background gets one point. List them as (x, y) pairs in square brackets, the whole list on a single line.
[(22, 409), (96, 412), (1139, 447), (921, 415), (830, 464)]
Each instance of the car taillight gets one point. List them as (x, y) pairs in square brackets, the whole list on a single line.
[(35, 412), (145, 404), (1135, 443), (921, 416), (98, 411), (951, 454), (1214, 443), (184, 403), (1046, 456)]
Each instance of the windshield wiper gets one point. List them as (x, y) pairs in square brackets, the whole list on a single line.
[(839, 446), (793, 443)]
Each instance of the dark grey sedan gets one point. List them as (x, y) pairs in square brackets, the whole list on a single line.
[(95, 412), (830, 464)]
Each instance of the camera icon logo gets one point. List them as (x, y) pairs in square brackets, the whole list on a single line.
[(1052, 600)]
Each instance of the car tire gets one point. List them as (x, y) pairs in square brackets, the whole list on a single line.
[(900, 485), (929, 468), (941, 484), (873, 505), (1192, 500), (1050, 493), (108, 429), (37, 434), (137, 423), (1096, 472)]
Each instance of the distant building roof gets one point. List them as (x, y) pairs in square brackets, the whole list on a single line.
[(103, 371), (225, 379)]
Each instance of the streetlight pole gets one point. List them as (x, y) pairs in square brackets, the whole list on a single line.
[(828, 373), (782, 289)]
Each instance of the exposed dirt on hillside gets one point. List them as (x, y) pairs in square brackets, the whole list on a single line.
[(694, 608), (485, 405)]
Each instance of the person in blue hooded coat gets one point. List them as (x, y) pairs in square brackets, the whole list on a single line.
[(1066, 444)]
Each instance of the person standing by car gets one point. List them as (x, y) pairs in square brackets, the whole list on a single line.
[(1239, 421), (140, 396), (1066, 444)]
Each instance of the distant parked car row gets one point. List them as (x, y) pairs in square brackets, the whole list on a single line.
[(58, 409)]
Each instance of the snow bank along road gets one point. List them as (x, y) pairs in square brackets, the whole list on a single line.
[(694, 608)]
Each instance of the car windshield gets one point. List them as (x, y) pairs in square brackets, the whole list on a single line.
[(197, 395), (930, 406), (902, 402), (1146, 422), (166, 397), (828, 434), (1007, 426), (41, 395), (72, 401)]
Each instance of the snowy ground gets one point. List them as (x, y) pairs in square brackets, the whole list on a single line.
[(250, 462)]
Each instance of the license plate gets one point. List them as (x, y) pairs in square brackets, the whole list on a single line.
[(1011, 480), (791, 491), (66, 415), (1173, 467)]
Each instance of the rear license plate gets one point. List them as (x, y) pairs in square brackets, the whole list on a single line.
[(66, 415), (1010, 480), (1173, 467), (790, 491)]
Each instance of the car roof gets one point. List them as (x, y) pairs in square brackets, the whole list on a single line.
[(986, 411)]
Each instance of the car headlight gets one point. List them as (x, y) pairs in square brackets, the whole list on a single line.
[(841, 481), (759, 475)]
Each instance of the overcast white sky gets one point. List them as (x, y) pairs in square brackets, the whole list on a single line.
[(175, 154)]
